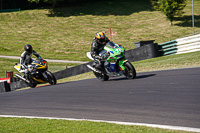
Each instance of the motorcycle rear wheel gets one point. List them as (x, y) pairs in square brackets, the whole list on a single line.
[(129, 71), (101, 76), (51, 78)]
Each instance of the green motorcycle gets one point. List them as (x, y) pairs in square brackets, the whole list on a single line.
[(115, 63)]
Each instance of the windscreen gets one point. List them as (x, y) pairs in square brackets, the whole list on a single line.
[(37, 61), (110, 44)]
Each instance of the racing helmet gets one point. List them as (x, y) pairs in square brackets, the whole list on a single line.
[(28, 48), (101, 37)]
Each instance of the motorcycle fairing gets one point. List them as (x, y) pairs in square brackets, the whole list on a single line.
[(17, 67), (39, 80), (112, 67), (121, 64), (40, 66)]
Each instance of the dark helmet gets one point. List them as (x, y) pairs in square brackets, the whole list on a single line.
[(101, 37), (28, 48)]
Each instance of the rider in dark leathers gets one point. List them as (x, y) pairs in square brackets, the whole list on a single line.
[(26, 59), (99, 41)]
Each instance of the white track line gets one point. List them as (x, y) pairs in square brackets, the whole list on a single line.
[(190, 129)]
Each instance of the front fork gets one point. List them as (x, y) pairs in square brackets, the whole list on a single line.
[(45, 75)]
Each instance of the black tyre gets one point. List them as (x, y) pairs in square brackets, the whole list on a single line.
[(32, 85), (51, 78), (101, 76), (129, 71)]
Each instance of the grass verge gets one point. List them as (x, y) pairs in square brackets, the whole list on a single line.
[(21, 125)]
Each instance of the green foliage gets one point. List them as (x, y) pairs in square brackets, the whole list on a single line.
[(170, 8), (48, 1), (154, 4), (53, 2), (37, 1)]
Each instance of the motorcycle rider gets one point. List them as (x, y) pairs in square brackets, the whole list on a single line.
[(26, 59), (99, 41)]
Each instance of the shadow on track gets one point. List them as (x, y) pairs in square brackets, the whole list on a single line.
[(137, 77), (145, 76)]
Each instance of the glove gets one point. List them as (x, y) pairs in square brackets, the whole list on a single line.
[(23, 66), (96, 63), (26, 71), (40, 58)]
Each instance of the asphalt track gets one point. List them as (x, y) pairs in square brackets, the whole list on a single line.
[(170, 97)]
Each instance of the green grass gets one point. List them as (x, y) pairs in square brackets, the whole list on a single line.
[(68, 33), (24, 125), (169, 62)]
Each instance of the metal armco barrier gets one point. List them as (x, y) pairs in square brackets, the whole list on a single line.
[(180, 46), (188, 44)]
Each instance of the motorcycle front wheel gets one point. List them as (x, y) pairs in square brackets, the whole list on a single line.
[(101, 76), (129, 71), (32, 85), (51, 78)]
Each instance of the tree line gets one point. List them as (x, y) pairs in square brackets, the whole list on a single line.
[(170, 8), (32, 4)]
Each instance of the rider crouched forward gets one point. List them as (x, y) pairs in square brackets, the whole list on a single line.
[(99, 41), (26, 59)]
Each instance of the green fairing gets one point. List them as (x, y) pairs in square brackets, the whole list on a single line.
[(121, 63), (114, 55)]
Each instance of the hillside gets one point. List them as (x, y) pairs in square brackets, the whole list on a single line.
[(67, 34)]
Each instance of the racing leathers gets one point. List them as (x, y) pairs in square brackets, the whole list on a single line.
[(96, 48), (26, 59)]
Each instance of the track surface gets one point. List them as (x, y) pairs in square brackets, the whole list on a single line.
[(169, 97)]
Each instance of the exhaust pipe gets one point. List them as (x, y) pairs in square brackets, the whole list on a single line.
[(19, 76), (93, 69)]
